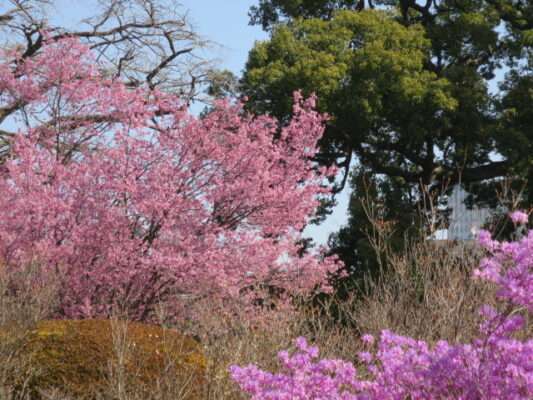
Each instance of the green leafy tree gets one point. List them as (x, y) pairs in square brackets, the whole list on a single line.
[(409, 89), (270, 12)]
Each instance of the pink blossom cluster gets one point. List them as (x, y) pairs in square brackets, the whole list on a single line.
[(496, 365), (510, 268), (133, 200), (519, 217)]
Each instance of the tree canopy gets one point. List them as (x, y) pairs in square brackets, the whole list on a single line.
[(136, 202), (424, 95)]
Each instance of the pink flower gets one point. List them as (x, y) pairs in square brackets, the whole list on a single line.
[(365, 356), (519, 217), (137, 198), (368, 339)]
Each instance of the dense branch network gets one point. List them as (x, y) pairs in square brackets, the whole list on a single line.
[(140, 42)]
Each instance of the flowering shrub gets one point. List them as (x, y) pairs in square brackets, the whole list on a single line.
[(496, 365), (132, 199), (519, 217)]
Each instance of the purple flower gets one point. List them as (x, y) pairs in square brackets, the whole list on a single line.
[(495, 365), (519, 217)]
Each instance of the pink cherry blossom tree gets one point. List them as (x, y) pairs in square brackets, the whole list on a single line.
[(134, 200)]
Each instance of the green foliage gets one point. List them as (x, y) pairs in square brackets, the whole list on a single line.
[(371, 75), (516, 132), (270, 12), (222, 83), (407, 87)]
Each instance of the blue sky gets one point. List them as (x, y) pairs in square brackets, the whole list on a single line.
[(225, 23)]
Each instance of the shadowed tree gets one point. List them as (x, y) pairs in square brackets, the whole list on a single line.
[(407, 87)]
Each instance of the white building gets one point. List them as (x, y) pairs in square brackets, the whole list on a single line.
[(464, 222)]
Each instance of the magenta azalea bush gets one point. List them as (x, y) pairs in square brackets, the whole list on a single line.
[(496, 365)]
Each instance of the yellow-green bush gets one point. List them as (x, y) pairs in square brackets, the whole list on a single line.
[(90, 358)]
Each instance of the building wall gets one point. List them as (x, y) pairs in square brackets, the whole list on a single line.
[(464, 222)]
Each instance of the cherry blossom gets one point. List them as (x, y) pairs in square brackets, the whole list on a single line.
[(134, 200)]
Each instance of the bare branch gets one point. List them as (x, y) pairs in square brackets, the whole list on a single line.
[(141, 42), (137, 40)]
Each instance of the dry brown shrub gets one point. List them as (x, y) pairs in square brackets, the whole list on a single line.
[(427, 292), (26, 297), (111, 359), (234, 338)]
